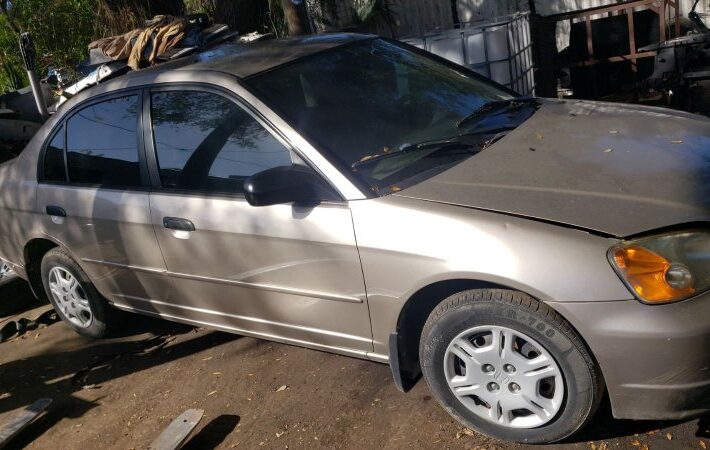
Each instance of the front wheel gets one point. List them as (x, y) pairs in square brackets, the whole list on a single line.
[(509, 366), (73, 296)]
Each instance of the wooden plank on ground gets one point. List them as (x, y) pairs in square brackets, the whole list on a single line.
[(22, 419), (175, 435)]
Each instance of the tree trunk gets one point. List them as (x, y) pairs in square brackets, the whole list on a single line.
[(296, 17)]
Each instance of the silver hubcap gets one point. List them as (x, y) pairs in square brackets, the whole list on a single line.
[(504, 377), (5, 270), (70, 297)]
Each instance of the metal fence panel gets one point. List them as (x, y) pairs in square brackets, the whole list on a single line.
[(500, 50)]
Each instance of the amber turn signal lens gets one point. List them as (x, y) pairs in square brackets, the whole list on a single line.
[(647, 273)]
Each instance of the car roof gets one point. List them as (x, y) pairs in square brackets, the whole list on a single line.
[(246, 59)]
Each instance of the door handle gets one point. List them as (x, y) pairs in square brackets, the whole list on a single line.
[(55, 211), (178, 224)]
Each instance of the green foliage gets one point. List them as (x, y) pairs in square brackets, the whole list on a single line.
[(61, 31), (200, 6), (368, 12), (276, 19), (14, 78)]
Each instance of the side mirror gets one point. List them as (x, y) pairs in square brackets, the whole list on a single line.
[(286, 184)]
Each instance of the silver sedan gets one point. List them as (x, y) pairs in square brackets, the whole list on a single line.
[(352, 194)]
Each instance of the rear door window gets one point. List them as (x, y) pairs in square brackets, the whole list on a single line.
[(102, 144), (205, 142), (54, 168)]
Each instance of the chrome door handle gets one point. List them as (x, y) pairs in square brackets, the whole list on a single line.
[(178, 224)]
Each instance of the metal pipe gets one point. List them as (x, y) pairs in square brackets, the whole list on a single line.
[(28, 55)]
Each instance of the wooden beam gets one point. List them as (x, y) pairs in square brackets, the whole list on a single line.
[(175, 435), (22, 420), (629, 57), (632, 38), (590, 42), (601, 9)]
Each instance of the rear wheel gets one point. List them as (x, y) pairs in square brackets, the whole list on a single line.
[(506, 365), (73, 296)]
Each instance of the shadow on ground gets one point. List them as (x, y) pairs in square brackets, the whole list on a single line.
[(16, 298), (60, 374), (214, 433)]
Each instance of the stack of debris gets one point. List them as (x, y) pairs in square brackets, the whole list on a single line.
[(19, 121), (162, 39)]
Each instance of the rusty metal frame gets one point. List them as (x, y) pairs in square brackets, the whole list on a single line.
[(664, 9)]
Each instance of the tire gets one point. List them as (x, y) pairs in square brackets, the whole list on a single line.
[(83, 309), (562, 403)]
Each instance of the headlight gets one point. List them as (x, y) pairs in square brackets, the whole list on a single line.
[(664, 268)]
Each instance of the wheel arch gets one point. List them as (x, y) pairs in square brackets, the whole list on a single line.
[(33, 252), (404, 342)]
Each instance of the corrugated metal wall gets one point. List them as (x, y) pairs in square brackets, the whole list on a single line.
[(545, 7), (418, 17), (474, 10)]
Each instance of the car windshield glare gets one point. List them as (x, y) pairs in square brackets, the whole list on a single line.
[(374, 97)]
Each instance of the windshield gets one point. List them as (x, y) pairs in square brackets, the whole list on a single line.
[(369, 99)]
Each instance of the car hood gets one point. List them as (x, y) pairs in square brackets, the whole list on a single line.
[(611, 168)]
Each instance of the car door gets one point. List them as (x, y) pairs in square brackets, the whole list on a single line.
[(93, 186), (281, 272)]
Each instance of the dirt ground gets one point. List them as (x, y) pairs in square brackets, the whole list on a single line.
[(120, 393)]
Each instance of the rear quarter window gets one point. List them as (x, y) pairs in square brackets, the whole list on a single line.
[(54, 169)]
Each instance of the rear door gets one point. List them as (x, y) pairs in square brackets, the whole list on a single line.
[(280, 272), (94, 189)]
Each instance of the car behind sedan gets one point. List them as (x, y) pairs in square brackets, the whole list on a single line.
[(352, 194)]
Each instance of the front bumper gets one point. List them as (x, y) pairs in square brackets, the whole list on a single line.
[(655, 358)]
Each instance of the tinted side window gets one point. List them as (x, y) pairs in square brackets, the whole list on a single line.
[(54, 168), (102, 144), (206, 142)]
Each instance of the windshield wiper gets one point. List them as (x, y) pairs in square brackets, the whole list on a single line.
[(498, 106), (437, 144)]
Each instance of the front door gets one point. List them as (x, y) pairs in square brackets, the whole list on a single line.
[(280, 272)]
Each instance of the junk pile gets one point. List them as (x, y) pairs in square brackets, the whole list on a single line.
[(161, 34), (163, 38), (642, 51), (682, 68)]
